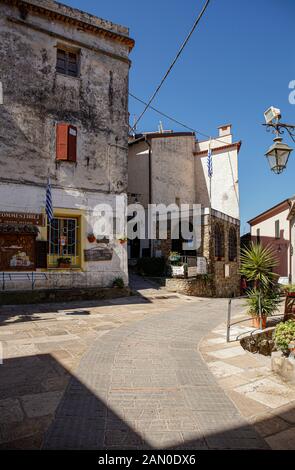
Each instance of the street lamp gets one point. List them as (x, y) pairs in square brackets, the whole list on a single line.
[(278, 154)]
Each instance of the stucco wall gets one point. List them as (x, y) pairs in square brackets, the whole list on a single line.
[(36, 98), (173, 170), (280, 246), (224, 182)]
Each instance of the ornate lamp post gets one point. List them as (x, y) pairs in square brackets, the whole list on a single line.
[(278, 154)]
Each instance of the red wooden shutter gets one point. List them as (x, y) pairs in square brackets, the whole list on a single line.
[(62, 141), (72, 139)]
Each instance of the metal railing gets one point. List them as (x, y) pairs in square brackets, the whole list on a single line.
[(229, 324), (32, 277)]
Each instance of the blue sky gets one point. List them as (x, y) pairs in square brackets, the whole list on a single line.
[(239, 61)]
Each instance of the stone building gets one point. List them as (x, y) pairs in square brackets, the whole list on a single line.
[(64, 76), (171, 168)]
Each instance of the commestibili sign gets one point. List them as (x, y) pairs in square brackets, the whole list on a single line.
[(28, 218)]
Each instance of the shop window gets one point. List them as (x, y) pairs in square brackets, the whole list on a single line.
[(63, 242), (66, 142), (219, 241), (232, 244), (67, 62)]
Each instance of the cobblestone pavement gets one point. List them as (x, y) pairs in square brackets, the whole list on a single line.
[(145, 385), (131, 370), (261, 396)]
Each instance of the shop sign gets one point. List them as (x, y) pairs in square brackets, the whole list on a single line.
[(26, 218)]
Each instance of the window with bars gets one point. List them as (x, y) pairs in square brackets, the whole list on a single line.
[(63, 241), (232, 244), (67, 62), (219, 241)]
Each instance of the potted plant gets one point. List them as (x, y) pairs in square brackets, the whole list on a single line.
[(122, 240), (118, 283), (257, 264), (174, 256), (91, 237), (284, 337), (261, 304), (64, 262)]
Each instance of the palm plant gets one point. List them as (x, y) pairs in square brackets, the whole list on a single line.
[(257, 263), (267, 303)]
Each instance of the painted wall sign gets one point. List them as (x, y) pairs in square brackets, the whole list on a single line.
[(201, 265), (98, 254), (17, 252), (27, 218)]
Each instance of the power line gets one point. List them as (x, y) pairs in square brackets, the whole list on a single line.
[(176, 121), (173, 62)]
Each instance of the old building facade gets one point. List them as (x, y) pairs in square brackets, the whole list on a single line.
[(171, 168), (275, 228), (64, 76)]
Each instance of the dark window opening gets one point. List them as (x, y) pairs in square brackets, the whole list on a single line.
[(258, 236), (219, 241), (67, 62), (277, 229), (232, 244)]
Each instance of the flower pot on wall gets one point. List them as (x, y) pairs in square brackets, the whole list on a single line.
[(91, 238)]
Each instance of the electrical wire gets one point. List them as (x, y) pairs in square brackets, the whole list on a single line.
[(176, 121), (173, 63)]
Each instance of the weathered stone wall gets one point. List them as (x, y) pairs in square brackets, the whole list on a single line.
[(36, 98), (197, 286), (223, 286)]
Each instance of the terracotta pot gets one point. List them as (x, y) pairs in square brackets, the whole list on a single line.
[(91, 239), (256, 322), (64, 265), (122, 242)]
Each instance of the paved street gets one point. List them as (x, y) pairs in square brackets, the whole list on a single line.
[(131, 370)]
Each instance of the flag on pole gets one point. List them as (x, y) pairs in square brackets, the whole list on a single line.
[(49, 206), (209, 161)]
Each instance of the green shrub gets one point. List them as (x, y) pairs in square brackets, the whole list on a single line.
[(284, 335), (269, 302), (118, 282), (289, 288), (151, 266), (257, 264)]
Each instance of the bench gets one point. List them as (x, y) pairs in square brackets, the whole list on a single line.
[(32, 277)]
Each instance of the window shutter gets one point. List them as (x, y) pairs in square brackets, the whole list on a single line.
[(62, 141), (72, 139), (41, 254)]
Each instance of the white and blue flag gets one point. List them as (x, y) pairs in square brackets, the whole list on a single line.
[(49, 206), (209, 162)]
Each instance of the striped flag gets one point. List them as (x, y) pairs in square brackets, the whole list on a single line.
[(209, 161), (49, 206)]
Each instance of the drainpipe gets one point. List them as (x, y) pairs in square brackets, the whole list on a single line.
[(150, 183)]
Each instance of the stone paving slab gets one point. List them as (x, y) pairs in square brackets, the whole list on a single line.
[(261, 397), (154, 391)]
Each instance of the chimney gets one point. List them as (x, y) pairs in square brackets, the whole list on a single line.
[(224, 130)]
